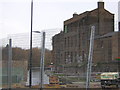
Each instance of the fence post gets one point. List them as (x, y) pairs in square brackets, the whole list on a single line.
[(10, 64), (89, 65), (42, 61)]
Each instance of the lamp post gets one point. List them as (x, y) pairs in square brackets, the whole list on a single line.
[(30, 59), (42, 52)]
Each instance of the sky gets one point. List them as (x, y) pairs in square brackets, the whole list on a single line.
[(47, 14), (119, 11)]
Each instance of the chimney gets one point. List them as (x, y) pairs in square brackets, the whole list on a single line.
[(100, 4), (75, 14)]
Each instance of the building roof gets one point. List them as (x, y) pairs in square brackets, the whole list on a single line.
[(79, 16), (84, 14)]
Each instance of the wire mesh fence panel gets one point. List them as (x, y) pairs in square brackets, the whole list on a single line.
[(65, 62), (20, 59), (4, 62), (0, 64), (63, 58)]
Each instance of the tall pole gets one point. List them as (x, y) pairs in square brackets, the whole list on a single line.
[(89, 65), (10, 64), (119, 16), (42, 61), (30, 59)]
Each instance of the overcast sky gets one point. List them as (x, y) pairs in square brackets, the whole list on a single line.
[(48, 14)]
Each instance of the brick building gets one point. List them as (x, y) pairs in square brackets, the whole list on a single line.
[(71, 46)]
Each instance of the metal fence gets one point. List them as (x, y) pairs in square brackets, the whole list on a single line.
[(14, 59), (69, 73)]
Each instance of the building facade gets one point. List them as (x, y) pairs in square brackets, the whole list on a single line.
[(71, 46)]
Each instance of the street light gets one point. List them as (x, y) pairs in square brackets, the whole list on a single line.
[(42, 59), (30, 59), (42, 52)]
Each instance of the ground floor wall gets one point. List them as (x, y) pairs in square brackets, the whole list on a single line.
[(112, 66)]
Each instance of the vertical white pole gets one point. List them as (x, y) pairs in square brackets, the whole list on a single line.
[(10, 64), (89, 65), (42, 61)]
